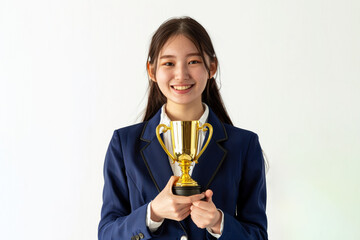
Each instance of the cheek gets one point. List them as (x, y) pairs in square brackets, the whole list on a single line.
[(202, 76), (162, 80), (201, 72), (162, 76)]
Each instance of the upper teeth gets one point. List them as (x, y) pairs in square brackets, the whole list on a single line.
[(182, 87)]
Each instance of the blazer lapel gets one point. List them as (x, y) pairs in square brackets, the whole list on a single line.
[(214, 155), (154, 157)]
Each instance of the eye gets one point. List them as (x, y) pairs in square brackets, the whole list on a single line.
[(168, 64), (194, 62)]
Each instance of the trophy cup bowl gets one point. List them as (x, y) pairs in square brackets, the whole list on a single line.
[(185, 140)]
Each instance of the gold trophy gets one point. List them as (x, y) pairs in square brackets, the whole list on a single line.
[(184, 137)]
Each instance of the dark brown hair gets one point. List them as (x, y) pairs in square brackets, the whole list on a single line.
[(197, 34)]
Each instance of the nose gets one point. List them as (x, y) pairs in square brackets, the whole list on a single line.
[(182, 72)]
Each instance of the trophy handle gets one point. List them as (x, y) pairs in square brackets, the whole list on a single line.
[(161, 141), (204, 127)]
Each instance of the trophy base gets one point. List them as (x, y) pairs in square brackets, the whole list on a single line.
[(186, 191)]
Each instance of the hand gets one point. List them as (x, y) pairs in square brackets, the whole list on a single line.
[(170, 206), (205, 214)]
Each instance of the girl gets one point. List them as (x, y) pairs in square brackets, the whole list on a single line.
[(138, 202)]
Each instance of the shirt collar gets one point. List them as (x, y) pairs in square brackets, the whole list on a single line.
[(164, 119)]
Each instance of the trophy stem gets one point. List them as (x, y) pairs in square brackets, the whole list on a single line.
[(185, 179), (185, 169)]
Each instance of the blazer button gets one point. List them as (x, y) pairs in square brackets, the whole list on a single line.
[(141, 235), (137, 237), (183, 237)]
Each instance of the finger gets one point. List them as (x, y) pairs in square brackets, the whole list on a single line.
[(171, 182), (184, 215), (197, 197), (182, 207), (185, 211), (209, 195), (197, 211), (203, 205), (189, 199), (179, 214), (204, 219), (204, 214), (199, 217)]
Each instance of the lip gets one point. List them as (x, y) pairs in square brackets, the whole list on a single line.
[(182, 85)]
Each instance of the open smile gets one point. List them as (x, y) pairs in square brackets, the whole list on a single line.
[(182, 87)]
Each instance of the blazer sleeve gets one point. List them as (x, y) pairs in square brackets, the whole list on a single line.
[(118, 219), (250, 220)]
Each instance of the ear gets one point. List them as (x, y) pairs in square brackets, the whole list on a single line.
[(213, 67), (151, 71)]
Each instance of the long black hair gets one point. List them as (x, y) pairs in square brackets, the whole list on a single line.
[(197, 34)]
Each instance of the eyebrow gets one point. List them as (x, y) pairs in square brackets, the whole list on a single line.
[(188, 55)]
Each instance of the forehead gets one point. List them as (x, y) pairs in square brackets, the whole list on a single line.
[(177, 45)]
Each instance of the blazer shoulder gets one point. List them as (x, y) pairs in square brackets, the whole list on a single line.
[(134, 130), (236, 131)]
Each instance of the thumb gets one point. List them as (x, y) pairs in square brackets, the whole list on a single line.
[(208, 195), (171, 182)]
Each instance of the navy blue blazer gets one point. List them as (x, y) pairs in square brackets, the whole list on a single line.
[(136, 169)]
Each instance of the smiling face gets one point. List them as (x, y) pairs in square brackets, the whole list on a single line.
[(180, 72)]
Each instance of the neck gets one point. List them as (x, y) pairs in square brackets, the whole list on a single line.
[(180, 112)]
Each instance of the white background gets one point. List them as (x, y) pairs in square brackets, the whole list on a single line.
[(73, 71)]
